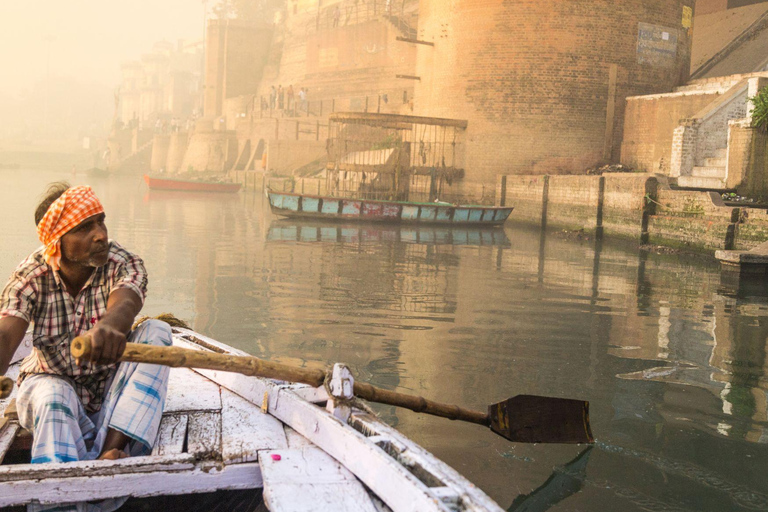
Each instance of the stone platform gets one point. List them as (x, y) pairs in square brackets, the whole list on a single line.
[(746, 264)]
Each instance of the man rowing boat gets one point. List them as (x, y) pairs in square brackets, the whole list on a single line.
[(80, 282)]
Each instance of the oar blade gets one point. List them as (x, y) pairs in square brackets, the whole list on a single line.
[(542, 419)]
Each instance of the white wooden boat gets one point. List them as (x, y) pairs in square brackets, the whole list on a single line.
[(222, 431)]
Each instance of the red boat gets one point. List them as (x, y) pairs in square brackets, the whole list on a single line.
[(156, 183)]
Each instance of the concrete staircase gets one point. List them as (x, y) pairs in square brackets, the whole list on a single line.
[(138, 161), (710, 176)]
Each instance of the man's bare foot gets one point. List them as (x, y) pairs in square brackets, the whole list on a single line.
[(113, 454)]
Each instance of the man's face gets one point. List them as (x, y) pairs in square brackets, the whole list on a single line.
[(87, 244)]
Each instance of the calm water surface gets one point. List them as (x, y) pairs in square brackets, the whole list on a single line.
[(673, 363)]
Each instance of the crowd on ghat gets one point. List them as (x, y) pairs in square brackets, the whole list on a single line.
[(285, 99)]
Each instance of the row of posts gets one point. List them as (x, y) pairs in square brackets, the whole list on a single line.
[(322, 104), (298, 129)]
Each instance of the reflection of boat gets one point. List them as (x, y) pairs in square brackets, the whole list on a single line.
[(297, 231), (335, 208), (223, 431), (166, 183), (10, 166)]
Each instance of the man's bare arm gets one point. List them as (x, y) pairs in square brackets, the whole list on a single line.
[(109, 334), (12, 331)]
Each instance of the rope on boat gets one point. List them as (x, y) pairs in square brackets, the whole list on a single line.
[(349, 402), (168, 318)]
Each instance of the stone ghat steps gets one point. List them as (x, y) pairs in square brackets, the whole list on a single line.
[(705, 183), (716, 162), (708, 171)]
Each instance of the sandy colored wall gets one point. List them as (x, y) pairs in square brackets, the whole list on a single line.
[(236, 55), (210, 152), (285, 156), (635, 207), (649, 124), (546, 96)]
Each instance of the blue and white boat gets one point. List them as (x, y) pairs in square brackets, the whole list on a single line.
[(288, 204)]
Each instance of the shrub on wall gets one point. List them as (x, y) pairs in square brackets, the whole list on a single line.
[(760, 112)]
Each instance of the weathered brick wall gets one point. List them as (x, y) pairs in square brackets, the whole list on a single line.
[(573, 200), (159, 152), (624, 201), (695, 220), (212, 151), (235, 56), (176, 150), (753, 230), (649, 125), (285, 156), (526, 194), (754, 154), (739, 149), (346, 63), (713, 131), (534, 79), (690, 219)]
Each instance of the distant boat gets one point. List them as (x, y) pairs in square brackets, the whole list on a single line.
[(184, 185), (10, 166), (348, 209)]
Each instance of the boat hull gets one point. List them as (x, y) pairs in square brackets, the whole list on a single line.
[(347, 209), (190, 186)]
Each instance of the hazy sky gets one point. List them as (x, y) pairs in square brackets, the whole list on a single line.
[(90, 37)]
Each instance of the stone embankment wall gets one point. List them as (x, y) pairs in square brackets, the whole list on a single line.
[(521, 71), (635, 207)]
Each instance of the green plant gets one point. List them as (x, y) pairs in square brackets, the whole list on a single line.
[(693, 207), (760, 110)]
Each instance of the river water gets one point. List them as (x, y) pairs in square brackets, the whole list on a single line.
[(672, 361)]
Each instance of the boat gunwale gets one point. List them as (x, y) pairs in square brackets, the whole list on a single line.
[(399, 203), (295, 406)]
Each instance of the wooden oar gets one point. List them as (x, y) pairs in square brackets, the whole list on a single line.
[(523, 418)]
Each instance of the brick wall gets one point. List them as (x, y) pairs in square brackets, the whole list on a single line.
[(345, 63), (535, 79), (713, 130), (635, 207), (649, 127), (211, 152), (748, 160), (236, 54)]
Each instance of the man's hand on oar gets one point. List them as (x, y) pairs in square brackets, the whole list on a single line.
[(524, 418), (6, 386)]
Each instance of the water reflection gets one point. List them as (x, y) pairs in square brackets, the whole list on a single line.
[(564, 482), (673, 364), (286, 230)]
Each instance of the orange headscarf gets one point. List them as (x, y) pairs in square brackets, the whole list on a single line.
[(67, 212)]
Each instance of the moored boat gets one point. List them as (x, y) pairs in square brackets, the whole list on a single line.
[(294, 205), (190, 185), (304, 448)]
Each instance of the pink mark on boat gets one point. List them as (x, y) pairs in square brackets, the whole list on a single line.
[(351, 207), (390, 210), (372, 210), (276, 456)]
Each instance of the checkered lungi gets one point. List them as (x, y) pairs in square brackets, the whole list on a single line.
[(63, 432)]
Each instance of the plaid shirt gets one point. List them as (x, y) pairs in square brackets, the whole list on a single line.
[(35, 293)]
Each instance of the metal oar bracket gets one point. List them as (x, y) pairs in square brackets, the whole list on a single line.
[(340, 392)]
